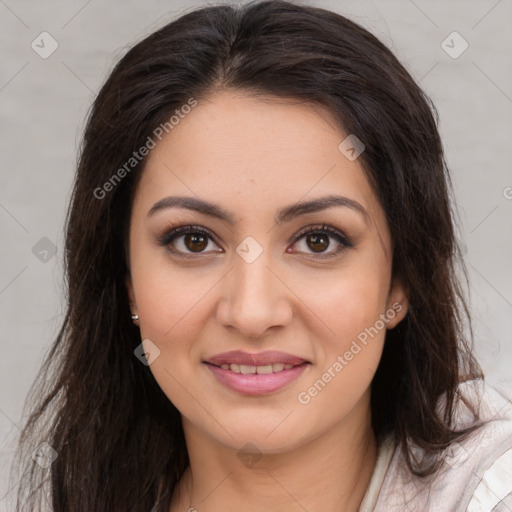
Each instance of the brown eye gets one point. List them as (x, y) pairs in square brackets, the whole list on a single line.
[(187, 240), (317, 242), (195, 242), (317, 239)]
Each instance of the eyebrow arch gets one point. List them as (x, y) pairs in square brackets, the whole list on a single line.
[(285, 214)]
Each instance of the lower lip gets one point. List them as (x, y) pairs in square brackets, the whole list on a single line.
[(254, 383)]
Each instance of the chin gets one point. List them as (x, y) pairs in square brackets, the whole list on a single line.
[(262, 437)]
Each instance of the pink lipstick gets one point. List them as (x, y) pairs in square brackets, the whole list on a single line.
[(256, 373)]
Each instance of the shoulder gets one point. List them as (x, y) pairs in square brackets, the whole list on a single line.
[(476, 472)]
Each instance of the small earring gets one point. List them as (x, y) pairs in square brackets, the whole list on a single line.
[(135, 317)]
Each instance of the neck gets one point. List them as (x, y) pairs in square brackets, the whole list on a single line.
[(330, 473)]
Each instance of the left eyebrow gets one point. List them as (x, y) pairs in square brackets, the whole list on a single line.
[(319, 204), (285, 214)]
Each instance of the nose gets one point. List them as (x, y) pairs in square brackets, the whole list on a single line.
[(254, 299)]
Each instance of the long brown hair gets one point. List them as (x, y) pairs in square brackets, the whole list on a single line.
[(118, 438)]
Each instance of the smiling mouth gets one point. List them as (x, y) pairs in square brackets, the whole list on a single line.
[(260, 370)]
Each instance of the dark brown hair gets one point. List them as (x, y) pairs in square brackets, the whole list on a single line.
[(119, 439)]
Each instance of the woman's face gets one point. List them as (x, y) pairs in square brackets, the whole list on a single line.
[(253, 281)]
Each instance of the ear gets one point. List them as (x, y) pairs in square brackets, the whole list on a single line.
[(131, 295), (397, 304)]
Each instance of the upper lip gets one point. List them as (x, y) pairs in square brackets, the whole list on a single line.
[(260, 359)]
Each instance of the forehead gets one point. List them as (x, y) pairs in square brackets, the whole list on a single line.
[(236, 127), (258, 152)]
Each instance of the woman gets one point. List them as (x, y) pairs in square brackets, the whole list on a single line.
[(263, 310)]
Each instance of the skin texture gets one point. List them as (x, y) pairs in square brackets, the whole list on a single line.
[(253, 156)]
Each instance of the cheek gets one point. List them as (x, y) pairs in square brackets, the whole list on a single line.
[(349, 351), (347, 303), (173, 308), (170, 300), (354, 352)]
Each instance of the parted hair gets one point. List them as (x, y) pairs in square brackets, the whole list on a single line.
[(119, 440)]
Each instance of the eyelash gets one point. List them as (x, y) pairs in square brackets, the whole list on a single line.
[(171, 234)]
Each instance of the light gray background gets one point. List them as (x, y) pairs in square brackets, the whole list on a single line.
[(43, 104)]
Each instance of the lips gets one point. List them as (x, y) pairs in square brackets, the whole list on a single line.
[(257, 379), (266, 358)]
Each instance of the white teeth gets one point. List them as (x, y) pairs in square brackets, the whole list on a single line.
[(246, 369), (264, 369)]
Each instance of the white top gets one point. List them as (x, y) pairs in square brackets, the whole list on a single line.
[(475, 476)]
